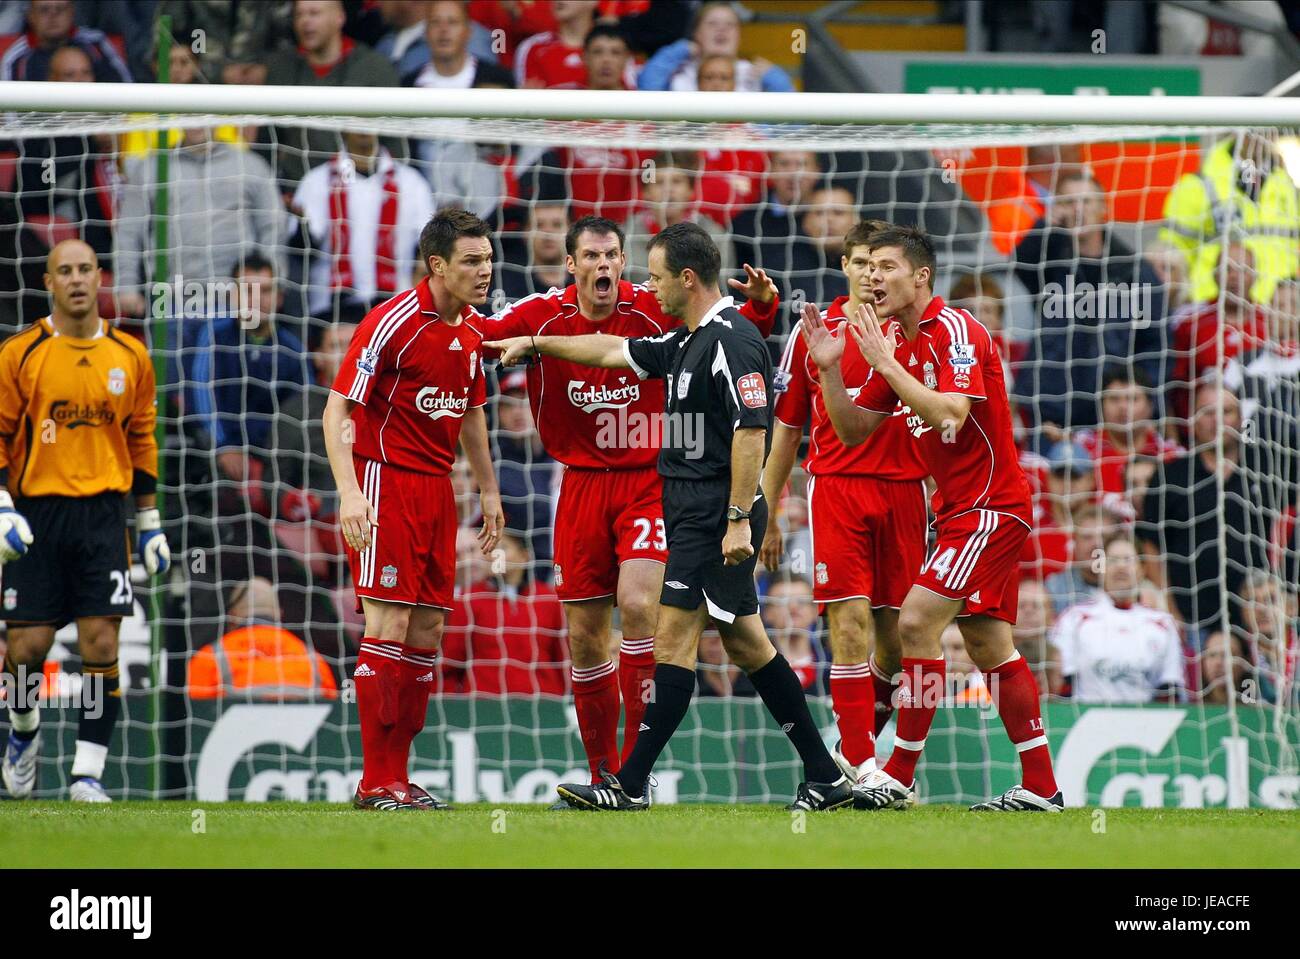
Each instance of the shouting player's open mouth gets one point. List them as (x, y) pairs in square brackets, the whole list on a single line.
[(604, 284)]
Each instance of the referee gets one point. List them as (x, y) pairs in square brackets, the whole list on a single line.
[(76, 436), (717, 374)]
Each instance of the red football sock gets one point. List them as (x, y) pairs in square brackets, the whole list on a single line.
[(854, 703), (595, 695), (1015, 693), (883, 686), (919, 694), (636, 666), (415, 682), (377, 682)]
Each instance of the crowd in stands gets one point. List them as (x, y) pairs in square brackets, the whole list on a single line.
[(1155, 381)]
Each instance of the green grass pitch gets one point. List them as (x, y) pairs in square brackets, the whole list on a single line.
[(149, 834)]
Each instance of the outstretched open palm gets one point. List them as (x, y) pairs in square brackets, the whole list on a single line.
[(877, 345), (823, 345)]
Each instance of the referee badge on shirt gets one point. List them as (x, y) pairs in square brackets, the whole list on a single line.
[(388, 578), (11, 599), (117, 381), (683, 385)]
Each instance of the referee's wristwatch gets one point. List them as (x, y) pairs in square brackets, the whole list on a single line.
[(735, 514)]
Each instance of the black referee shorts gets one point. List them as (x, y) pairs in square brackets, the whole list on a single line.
[(79, 563), (695, 515)]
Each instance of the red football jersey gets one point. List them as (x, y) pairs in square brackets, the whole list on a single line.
[(587, 416), (1196, 344), (730, 180), (980, 469), (1112, 462), (887, 454), (544, 60), (601, 180), (496, 642), (414, 376)]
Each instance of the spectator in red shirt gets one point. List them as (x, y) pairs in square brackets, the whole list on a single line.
[(605, 59), (1070, 484), (1196, 339), (600, 180), (506, 634), (517, 20), (670, 196), (554, 59), (52, 24), (732, 179), (1127, 431)]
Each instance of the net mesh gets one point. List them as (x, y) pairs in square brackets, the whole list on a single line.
[(1119, 268)]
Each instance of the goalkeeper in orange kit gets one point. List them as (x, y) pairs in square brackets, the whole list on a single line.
[(76, 436)]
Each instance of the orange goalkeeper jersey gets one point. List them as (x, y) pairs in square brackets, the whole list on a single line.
[(76, 416)]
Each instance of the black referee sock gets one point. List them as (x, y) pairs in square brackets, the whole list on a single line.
[(785, 700), (673, 689)]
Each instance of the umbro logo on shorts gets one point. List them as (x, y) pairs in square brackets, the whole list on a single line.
[(676, 585), (362, 670)]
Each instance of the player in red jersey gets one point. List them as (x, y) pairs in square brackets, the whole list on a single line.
[(942, 364), (409, 387), (604, 426), (867, 516)]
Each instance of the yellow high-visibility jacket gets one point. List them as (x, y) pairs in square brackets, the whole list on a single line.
[(1199, 203)]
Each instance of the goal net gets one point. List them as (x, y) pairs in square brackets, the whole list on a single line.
[(1140, 279)]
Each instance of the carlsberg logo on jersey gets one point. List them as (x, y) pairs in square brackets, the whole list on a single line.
[(598, 396), (439, 403)]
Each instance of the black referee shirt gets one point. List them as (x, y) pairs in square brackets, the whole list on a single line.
[(717, 381)]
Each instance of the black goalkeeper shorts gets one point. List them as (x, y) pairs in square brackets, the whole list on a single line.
[(695, 516), (79, 563)]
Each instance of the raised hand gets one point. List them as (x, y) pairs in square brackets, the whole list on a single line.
[(824, 345), (876, 345), (758, 286)]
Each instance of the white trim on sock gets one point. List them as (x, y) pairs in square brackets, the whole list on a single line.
[(89, 760), (1031, 744), (25, 722), (1010, 659), (914, 747)]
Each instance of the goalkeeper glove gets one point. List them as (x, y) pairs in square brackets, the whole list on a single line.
[(15, 534), (150, 542)]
